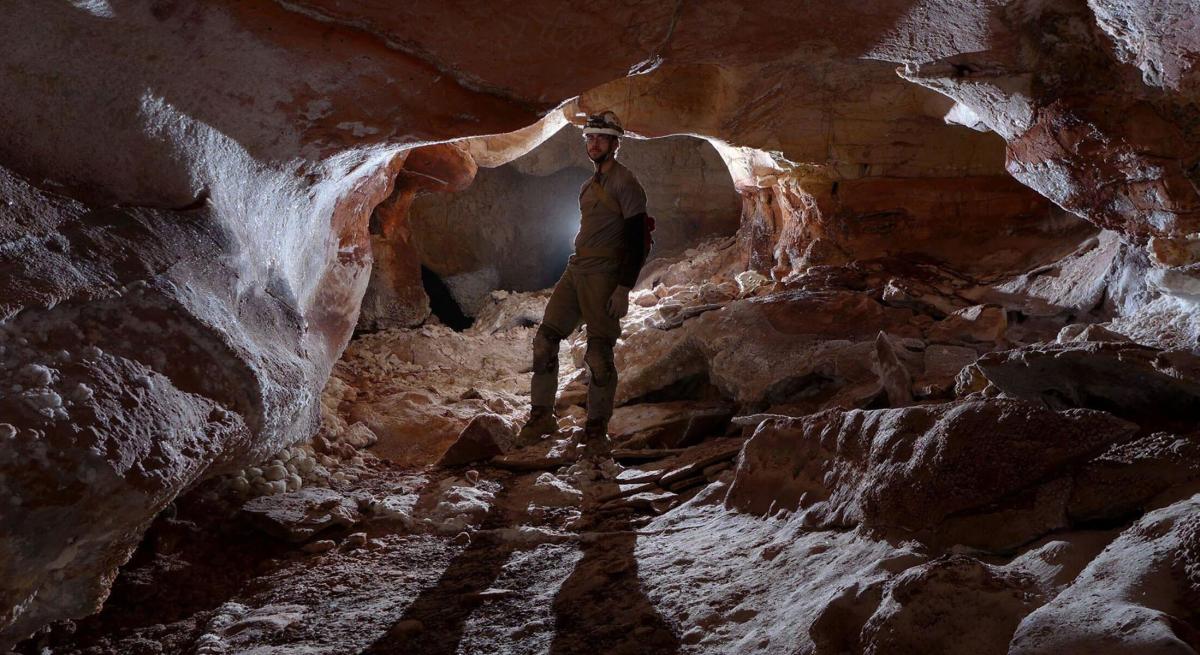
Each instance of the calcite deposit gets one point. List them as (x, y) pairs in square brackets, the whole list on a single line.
[(930, 387)]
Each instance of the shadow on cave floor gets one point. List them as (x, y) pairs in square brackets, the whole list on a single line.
[(600, 608), (574, 591), (440, 612)]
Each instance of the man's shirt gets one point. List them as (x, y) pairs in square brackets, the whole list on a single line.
[(600, 226)]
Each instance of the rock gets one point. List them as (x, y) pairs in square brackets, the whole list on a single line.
[(668, 425), (1133, 598), (749, 281), (275, 472), (808, 345), (971, 380), (894, 377), (549, 490), (395, 508), (922, 468), (944, 362), (954, 605), (1081, 332), (204, 337), (191, 374), (355, 540), (299, 515), (1125, 378), (486, 436), (976, 323), (1122, 480), (359, 436), (319, 546)]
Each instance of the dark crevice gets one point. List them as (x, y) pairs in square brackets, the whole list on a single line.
[(442, 302)]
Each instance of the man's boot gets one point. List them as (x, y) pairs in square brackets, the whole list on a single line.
[(541, 423), (596, 443)]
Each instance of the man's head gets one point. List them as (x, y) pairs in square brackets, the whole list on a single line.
[(602, 136)]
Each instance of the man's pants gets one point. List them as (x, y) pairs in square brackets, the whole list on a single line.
[(578, 297)]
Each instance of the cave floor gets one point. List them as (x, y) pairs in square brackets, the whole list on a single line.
[(381, 551), (205, 581)]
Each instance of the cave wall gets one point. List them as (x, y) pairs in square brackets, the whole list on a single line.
[(208, 172)]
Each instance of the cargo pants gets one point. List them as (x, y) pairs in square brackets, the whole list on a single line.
[(578, 297)]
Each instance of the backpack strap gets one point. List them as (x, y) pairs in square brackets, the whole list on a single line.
[(606, 199)]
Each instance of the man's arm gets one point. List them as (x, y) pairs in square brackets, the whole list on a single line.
[(632, 198), (635, 250)]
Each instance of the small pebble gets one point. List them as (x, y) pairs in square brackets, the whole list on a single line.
[(462, 539), (356, 540), (319, 546)]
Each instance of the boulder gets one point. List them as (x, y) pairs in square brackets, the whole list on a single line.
[(1125, 478), (299, 515), (668, 425), (955, 605), (806, 345), (943, 364), (1138, 596), (968, 468), (486, 436), (1088, 332), (1124, 378)]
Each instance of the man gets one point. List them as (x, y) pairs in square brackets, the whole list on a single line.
[(610, 249)]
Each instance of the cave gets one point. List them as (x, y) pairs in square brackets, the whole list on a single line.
[(912, 367)]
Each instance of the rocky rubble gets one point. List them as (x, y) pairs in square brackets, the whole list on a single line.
[(828, 489)]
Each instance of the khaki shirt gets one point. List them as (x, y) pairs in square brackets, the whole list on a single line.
[(600, 226)]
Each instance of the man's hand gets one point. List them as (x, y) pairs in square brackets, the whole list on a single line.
[(618, 302)]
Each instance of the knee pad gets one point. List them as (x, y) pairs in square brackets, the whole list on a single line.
[(545, 350), (599, 359)]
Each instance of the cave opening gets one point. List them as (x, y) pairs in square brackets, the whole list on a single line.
[(512, 228), (919, 338), (442, 303)]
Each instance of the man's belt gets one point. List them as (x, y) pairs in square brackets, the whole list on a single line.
[(607, 253)]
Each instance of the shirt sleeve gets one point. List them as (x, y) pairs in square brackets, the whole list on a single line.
[(632, 197)]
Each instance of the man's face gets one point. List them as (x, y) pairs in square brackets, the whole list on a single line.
[(598, 145)]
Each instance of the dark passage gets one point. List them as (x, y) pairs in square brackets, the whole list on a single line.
[(442, 302)]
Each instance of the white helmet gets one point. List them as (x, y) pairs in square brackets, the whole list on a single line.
[(604, 123)]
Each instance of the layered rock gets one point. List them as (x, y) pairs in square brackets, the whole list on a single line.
[(925, 470)]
